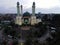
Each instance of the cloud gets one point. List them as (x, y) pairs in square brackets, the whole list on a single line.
[(42, 10), (28, 3), (47, 3), (46, 6)]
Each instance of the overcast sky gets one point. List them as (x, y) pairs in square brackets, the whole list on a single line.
[(44, 6)]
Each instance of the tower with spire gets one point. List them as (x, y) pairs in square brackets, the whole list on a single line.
[(21, 10), (19, 15), (33, 17), (33, 8), (18, 9)]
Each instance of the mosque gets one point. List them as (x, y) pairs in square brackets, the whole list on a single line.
[(25, 19), (30, 19)]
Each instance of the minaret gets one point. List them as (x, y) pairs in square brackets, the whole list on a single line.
[(21, 10), (18, 9), (33, 8), (18, 17), (33, 17)]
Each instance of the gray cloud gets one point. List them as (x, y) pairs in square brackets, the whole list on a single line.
[(9, 6), (13, 10)]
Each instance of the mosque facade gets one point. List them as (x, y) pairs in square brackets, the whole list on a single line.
[(20, 19)]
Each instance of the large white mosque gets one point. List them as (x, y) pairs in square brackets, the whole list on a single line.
[(20, 19)]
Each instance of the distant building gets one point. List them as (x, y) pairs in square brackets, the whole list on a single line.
[(30, 19)]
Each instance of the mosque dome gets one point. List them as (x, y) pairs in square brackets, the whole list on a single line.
[(26, 14)]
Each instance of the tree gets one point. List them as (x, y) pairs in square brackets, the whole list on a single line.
[(56, 20), (11, 31), (42, 28)]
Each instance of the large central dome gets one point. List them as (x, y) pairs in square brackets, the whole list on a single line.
[(26, 14)]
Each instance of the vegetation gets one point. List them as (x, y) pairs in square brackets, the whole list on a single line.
[(56, 21), (36, 31)]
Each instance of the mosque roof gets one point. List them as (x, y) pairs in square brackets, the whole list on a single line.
[(26, 14)]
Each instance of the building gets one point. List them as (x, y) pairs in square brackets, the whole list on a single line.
[(24, 19)]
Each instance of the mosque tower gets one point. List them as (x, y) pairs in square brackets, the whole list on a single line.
[(21, 10), (19, 16), (33, 8), (33, 17), (18, 9)]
